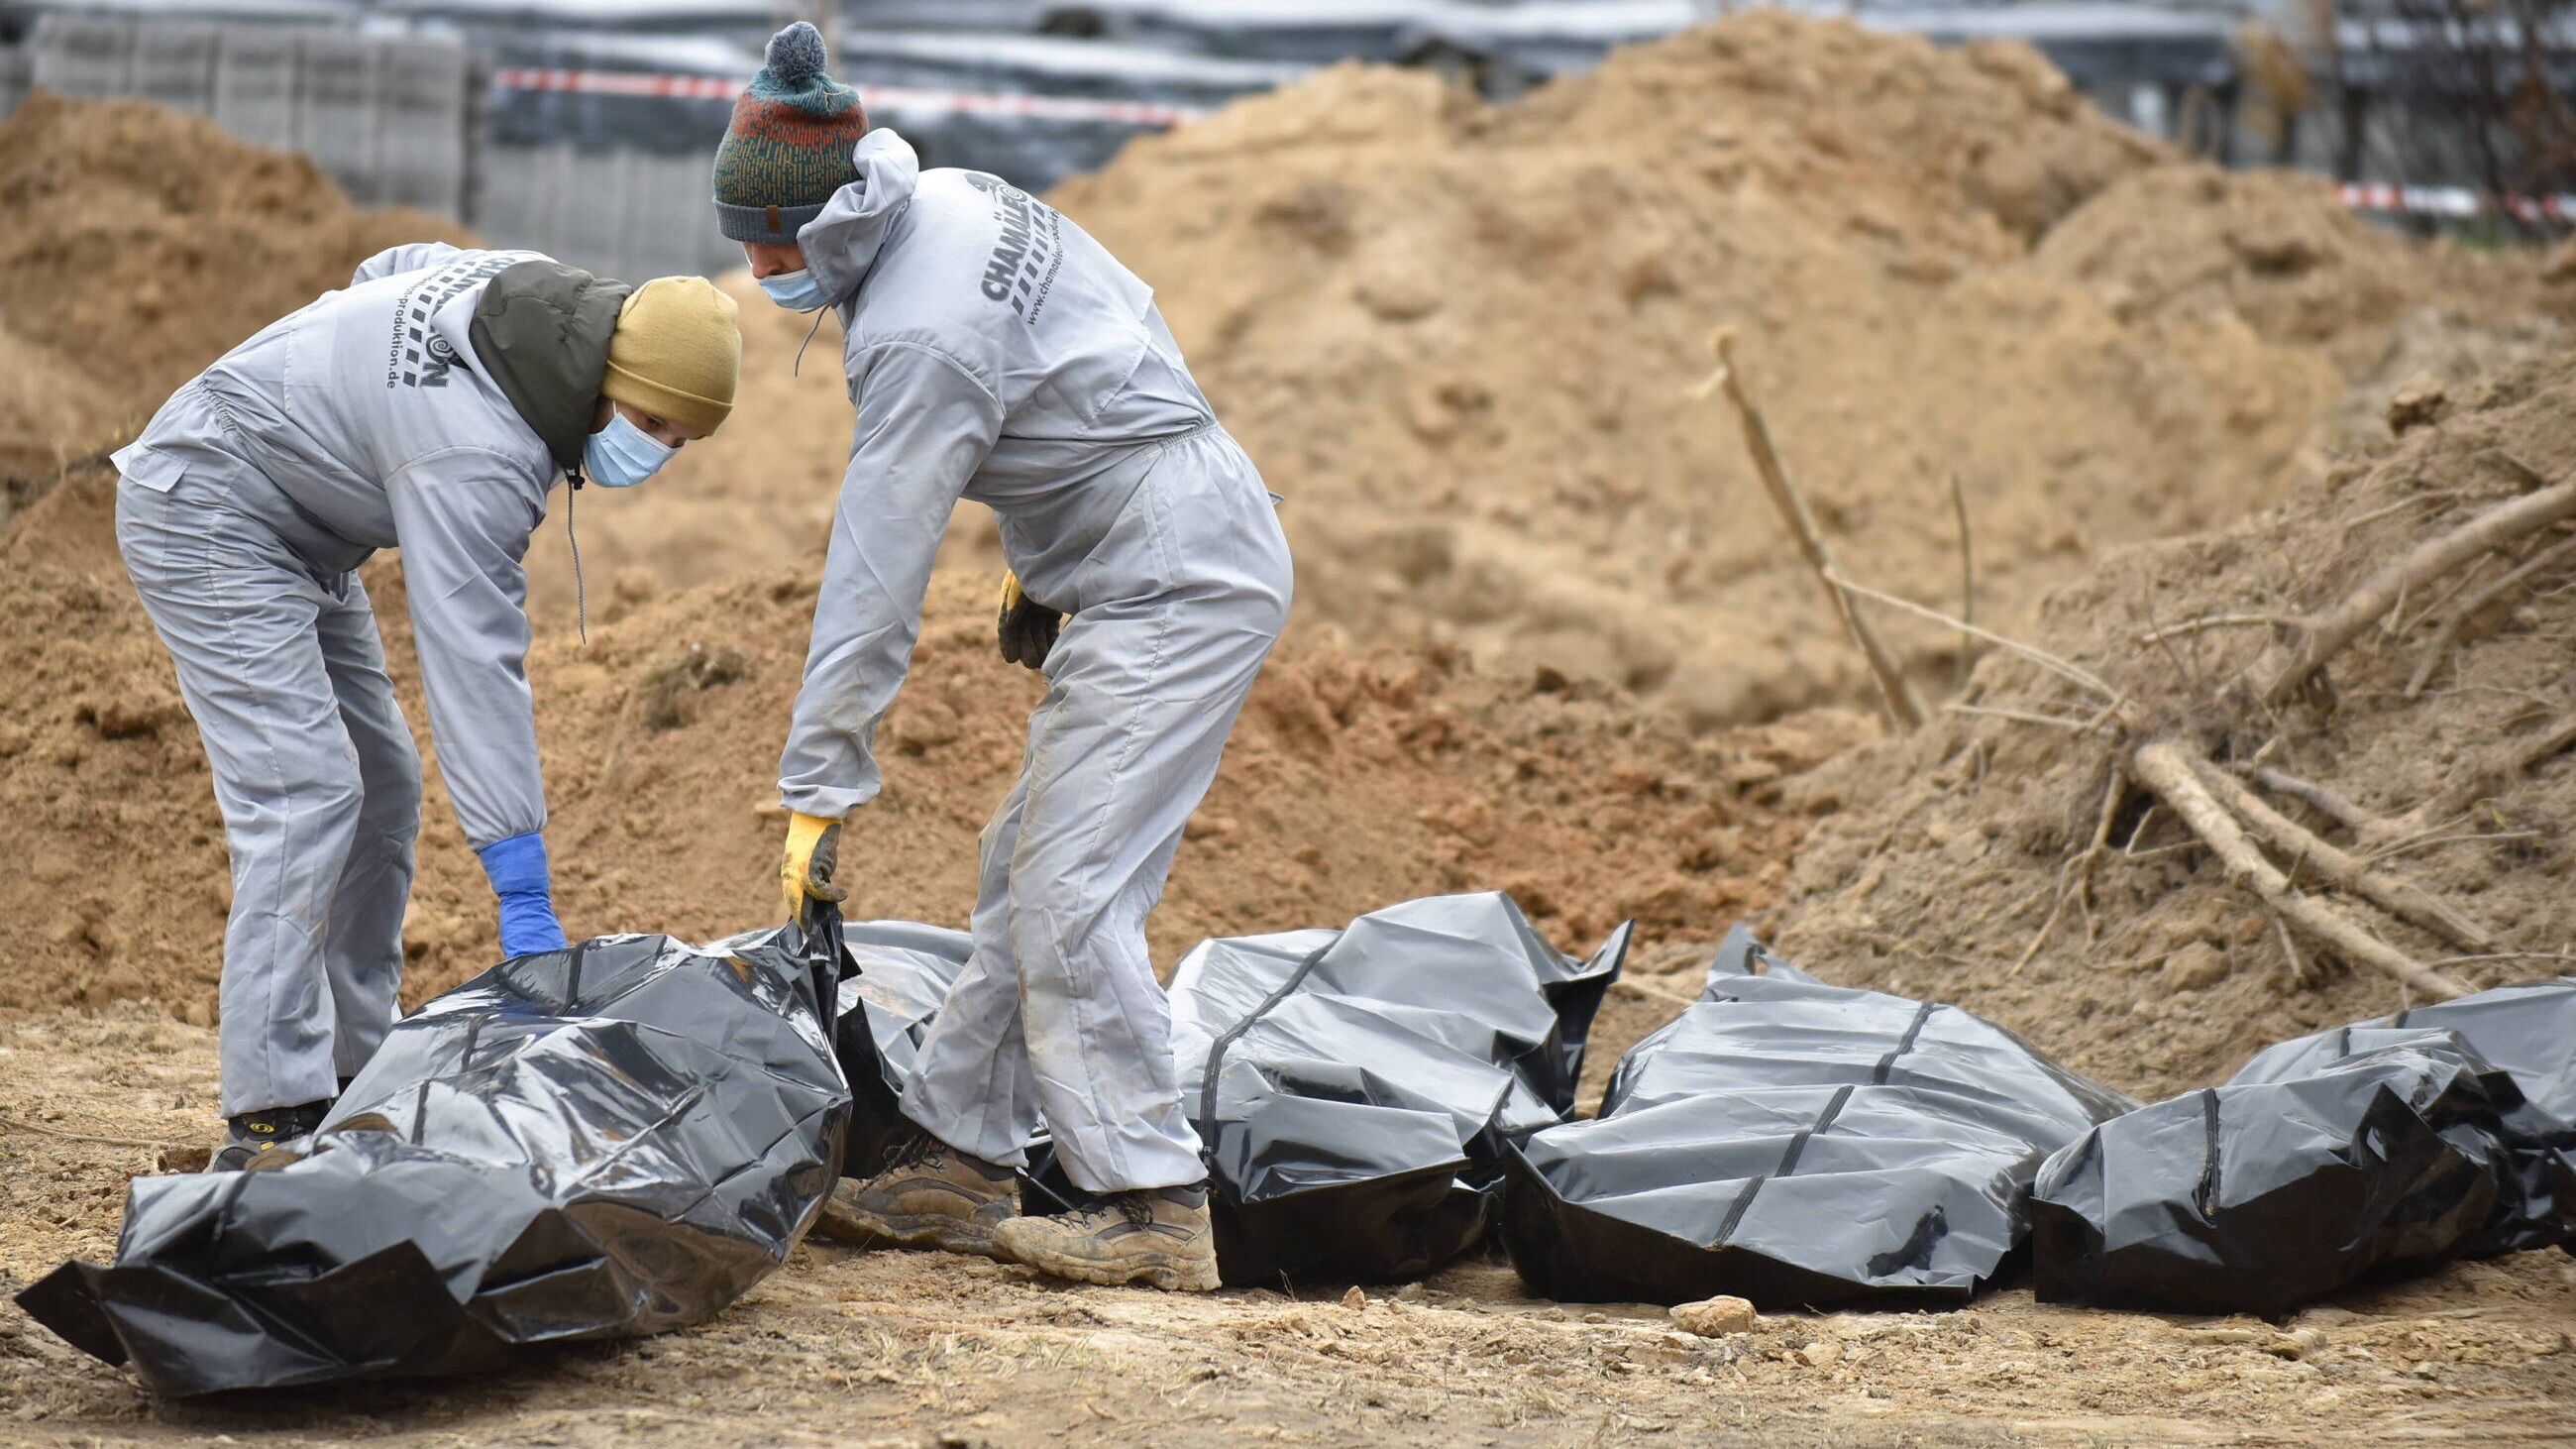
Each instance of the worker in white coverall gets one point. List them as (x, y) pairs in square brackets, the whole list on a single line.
[(997, 353), (429, 406)]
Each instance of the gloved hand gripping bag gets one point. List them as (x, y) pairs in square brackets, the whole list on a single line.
[(615, 1139), (2372, 1150), (1794, 1143), (1355, 1091)]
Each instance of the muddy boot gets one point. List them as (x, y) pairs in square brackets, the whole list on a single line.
[(252, 1134), (1160, 1237), (930, 1195)]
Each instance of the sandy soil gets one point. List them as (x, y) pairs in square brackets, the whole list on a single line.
[(858, 1348)]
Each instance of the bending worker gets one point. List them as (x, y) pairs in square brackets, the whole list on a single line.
[(428, 407), (997, 353)]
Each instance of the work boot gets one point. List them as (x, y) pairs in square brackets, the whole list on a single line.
[(251, 1134), (1160, 1236), (930, 1195)]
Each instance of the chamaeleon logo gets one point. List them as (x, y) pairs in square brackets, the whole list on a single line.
[(419, 357), (1022, 268)]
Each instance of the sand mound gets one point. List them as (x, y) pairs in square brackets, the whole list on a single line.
[(1354, 780), (1938, 876), (1463, 339), (136, 245)]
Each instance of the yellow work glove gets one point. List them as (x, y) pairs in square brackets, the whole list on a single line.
[(805, 876), (1028, 628)]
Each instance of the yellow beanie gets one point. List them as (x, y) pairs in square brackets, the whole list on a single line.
[(676, 352)]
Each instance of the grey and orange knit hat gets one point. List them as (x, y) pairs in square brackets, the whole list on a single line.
[(788, 148)]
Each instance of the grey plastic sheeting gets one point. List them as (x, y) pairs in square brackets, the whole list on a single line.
[(1357, 1090), (1795, 1143), (895, 976), (1368, 1079), (616, 1139), (2377, 1149)]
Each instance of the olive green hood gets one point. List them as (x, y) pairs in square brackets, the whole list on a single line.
[(541, 332)]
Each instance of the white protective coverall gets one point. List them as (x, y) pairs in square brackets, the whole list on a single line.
[(363, 421), (997, 353)]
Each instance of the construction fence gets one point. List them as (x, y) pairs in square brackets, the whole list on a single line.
[(393, 120)]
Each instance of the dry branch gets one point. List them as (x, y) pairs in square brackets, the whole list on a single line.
[(2064, 668), (1967, 579), (2460, 614), (2485, 776), (2340, 808), (2341, 869), (1902, 706), (2320, 636), (2165, 767)]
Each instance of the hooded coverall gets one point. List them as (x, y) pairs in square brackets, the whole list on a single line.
[(363, 421), (997, 353)]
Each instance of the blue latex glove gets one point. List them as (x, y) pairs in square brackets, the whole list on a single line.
[(517, 868)]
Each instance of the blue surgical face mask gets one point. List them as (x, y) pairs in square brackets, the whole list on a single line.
[(622, 455), (796, 291)]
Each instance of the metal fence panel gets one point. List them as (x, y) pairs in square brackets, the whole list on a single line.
[(255, 85), (81, 55), (335, 112), (174, 65), (15, 65), (425, 116)]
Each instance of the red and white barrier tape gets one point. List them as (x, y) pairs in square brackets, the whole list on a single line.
[(2452, 201), (875, 98)]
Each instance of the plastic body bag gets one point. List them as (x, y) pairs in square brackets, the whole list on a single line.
[(2371, 1150), (2528, 1032), (1795, 1143), (1356, 1091), (895, 976), (612, 1140)]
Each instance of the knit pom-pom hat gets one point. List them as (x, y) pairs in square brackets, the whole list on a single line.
[(788, 148)]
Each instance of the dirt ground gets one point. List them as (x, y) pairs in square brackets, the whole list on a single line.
[(1547, 642), (911, 1349)]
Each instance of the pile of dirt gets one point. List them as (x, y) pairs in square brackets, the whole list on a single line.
[(136, 245), (1463, 339), (1956, 867), (1354, 780)]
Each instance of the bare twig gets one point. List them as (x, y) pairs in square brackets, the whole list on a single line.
[(2063, 668), (2340, 869), (2287, 668), (2485, 776), (2317, 797), (2506, 956), (1967, 578), (2164, 767), (2213, 621), (2460, 614), (2299, 972), (2074, 876), (2409, 847), (2023, 716), (1894, 692)]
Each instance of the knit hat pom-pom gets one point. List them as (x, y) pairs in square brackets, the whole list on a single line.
[(796, 54)]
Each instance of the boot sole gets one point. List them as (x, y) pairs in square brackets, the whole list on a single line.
[(934, 1231), (1171, 1277)]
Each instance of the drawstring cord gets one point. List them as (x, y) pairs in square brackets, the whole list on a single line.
[(799, 368), (580, 593)]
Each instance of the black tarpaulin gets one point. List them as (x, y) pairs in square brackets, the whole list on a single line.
[(616, 1139), (895, 976), (2380, 1148), (1795, 1143), (2528, 1032), (1356, 1090)]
